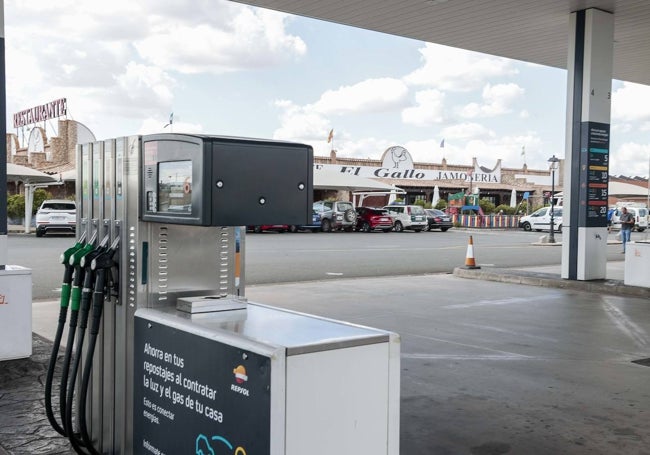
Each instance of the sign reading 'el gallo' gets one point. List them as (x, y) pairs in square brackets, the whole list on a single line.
[(47, 111), (397, 163)]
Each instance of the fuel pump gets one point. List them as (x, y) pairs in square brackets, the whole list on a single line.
[(176, 358)]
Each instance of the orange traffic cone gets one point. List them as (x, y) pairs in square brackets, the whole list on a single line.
[(470, 263)]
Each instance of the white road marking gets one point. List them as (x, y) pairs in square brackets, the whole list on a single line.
[(629, 328)]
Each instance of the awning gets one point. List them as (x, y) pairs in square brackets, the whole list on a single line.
[(330, 180), (17, 173)]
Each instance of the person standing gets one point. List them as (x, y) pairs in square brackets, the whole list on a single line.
[(627, 223)]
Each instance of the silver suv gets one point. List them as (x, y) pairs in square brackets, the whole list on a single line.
[(336, 215), (56, 215)]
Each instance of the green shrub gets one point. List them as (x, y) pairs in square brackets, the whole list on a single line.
[(16, 203), (40, 195), (15, 206), (486, 205), (507, 210), (441, 205)]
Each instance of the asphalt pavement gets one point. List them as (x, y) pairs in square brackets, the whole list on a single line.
[(487, 367)]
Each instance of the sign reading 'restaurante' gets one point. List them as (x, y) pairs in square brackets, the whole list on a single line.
[(53, 109)]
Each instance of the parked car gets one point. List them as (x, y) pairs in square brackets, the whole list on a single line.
[(540, 220), (437, 219), (410, 217), (640, 215), (371, 218), (314, 226), (336, 215), (271, 227), (56, 215)]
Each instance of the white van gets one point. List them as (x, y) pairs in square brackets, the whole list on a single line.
[(640, 215), (540, 220)]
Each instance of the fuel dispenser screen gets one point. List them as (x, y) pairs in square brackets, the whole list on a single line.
[(197, 395), (175, 187), (225, 181)]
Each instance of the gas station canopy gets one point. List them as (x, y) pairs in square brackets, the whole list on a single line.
[(530, 30)]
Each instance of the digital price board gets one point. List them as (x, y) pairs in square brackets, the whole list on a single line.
[(594, 174)]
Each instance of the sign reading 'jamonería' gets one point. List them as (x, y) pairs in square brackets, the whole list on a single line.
[(53, 109)]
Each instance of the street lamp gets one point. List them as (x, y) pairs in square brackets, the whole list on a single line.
[(553, 164)]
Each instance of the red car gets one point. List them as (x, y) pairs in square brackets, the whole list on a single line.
[(371, 218), (271, 227)]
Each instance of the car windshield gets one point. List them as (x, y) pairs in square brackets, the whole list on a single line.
[(59, 206), (377, 212), (344, 206), (417, 210)]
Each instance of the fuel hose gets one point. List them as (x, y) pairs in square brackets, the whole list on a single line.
[(63, 314)]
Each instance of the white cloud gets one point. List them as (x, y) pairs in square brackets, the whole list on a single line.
[(428, 111), (301, 124), (446, 68), (631, 103), (120, 60), (497, 100), (254, 38), (465, 131), (630, 159), (154, 125), (371, 95)]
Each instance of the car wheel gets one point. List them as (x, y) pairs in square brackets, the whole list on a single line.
[(398, 227), (559, 229), (257, 229), (365, 227), (350, 216), (325, 225), (293, 228), (314, 230), (39, 233), (526, 226), (444, 229)]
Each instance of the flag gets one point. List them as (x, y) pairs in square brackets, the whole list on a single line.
[(442, 144), (523, 150), (171, 120), (526, 195), (330, 136)]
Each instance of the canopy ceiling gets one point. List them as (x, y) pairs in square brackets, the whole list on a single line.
[(529, 30)]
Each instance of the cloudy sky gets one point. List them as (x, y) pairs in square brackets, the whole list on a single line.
[(228, 69)]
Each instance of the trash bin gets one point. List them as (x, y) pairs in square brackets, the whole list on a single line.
[(15, 312)]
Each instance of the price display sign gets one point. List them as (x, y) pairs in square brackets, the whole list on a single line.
[(594, 174)]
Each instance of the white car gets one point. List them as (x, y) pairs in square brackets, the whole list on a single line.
[(411, 217), (56, 215), (540, 220)]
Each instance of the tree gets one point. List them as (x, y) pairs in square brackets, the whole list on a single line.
[(40, 195), (441, 204)]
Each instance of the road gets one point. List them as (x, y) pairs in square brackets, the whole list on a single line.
[(273, 257)]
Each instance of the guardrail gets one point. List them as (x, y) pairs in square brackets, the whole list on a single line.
[(487, 221)]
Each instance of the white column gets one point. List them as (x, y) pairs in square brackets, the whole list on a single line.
[(584, 243)]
